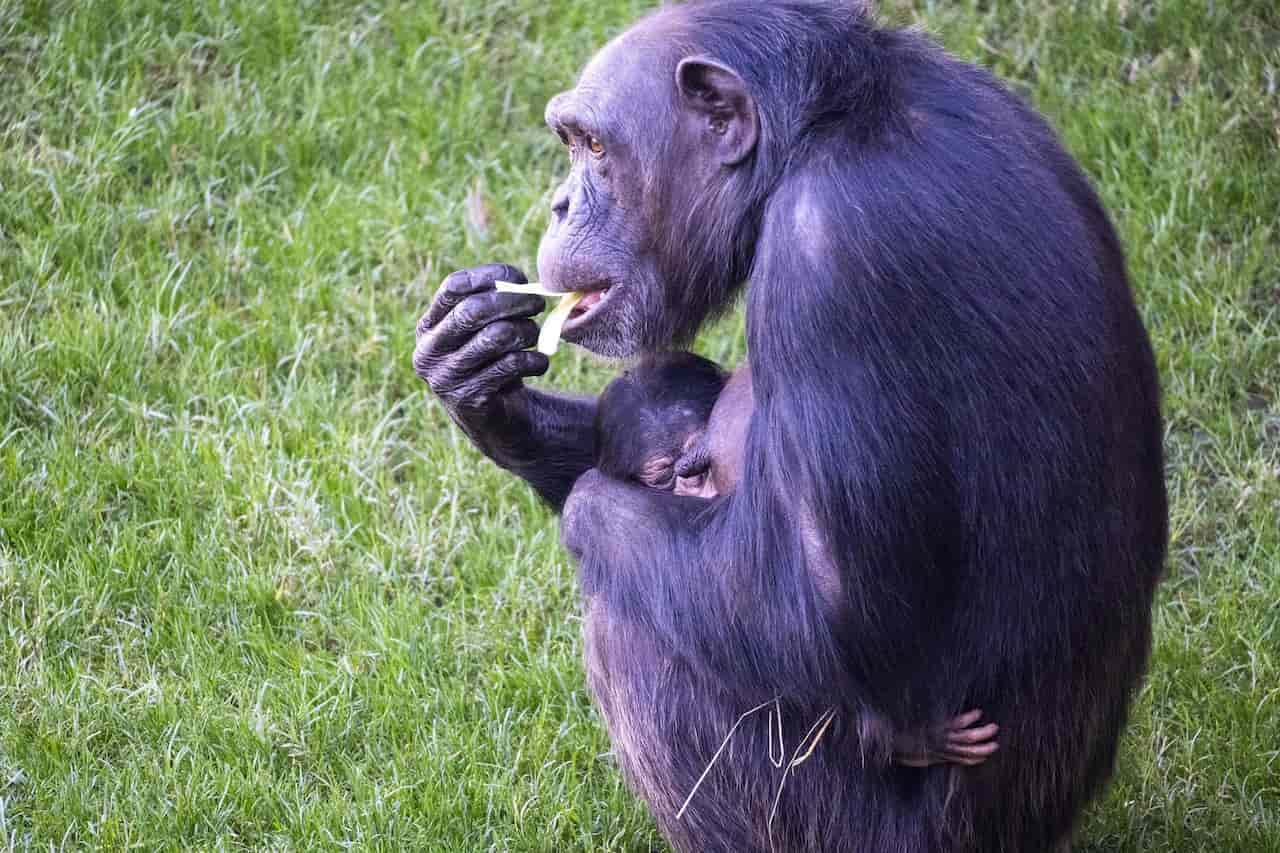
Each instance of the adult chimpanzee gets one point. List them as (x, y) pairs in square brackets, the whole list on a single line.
[(952, 490)]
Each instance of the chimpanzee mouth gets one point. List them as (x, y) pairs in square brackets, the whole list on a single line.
[(587, 306)]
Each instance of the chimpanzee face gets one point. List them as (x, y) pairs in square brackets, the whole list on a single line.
[(646, 140)]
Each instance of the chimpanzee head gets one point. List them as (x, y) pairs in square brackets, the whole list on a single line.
[(656, 217), (649, 417)]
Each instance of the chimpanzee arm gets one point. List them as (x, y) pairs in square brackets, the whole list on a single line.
[(745, 586), (670, 562), (472, 353), (546, 439)]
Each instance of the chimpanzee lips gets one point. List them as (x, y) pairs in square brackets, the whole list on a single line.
[(586, 305)]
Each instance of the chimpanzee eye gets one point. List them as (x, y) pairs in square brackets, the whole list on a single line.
[(564, 137), (595, 146)]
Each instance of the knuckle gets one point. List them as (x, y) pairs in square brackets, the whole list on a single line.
[(501, 335), (434, 382), (422, 362), (452, 392), (531, 303), (532, 362), (480, 274), (474, 312), (491, 272), (500, 372), (436, 372), (516, 363), (424, 324), (467, 316), (455, 281)]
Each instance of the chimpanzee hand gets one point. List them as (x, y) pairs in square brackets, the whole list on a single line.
[(959, 740), (472, 351), (693, 471), (473, 341)]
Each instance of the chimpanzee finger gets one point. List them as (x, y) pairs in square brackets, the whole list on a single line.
[(501, 375), (970, 756), (455, 287), (968, 718), (694, 461), (974, 735), (459, 285), (487, 346), (477, 311)]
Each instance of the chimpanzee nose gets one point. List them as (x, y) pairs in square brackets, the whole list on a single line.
[(560, 202)]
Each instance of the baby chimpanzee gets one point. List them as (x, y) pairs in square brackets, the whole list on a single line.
[(676, 422), (655, 415)]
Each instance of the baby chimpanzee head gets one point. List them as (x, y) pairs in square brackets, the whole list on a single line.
[(648, 417)]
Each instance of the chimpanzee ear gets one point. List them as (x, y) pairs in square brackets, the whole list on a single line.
[(720, 98)]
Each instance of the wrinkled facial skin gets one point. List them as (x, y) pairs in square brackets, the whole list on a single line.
[(599, 236), (635, 165)]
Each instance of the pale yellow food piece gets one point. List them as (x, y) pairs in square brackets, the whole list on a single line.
[(536, 289), (549, 336)]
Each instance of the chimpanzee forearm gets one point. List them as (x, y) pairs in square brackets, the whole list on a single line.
[(545, 439)]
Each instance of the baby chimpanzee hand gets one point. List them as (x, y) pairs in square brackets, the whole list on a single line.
[(693, 470), (959, 740)]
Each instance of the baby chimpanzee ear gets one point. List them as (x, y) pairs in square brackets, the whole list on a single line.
[(720, 97)]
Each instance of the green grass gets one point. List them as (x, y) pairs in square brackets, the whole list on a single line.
[(256, 593)]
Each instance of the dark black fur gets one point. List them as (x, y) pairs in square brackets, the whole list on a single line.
[(953, 492), (952, 378)]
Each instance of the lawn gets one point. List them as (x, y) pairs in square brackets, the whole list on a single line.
[(256, 593)]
